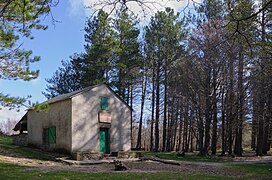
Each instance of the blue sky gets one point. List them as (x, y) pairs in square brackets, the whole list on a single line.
[(53, 45)]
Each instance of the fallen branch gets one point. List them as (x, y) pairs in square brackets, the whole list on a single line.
[(160, 160)]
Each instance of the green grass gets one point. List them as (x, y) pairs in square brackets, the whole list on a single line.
[(191, 157), (6, 143), (11, 171), (260, 169), (5, 140)]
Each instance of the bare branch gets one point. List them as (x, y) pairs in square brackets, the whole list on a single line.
[(264, 8)]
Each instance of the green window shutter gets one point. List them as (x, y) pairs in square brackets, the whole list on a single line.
[(52, 135), (104, 103)]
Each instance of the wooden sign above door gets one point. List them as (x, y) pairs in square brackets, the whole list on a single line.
[(104, 117)]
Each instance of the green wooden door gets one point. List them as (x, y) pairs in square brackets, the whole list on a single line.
[(104, 140), (52, 135)]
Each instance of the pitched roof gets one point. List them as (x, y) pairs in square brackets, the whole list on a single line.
[(78, 92), (23, 120), (68, 96)]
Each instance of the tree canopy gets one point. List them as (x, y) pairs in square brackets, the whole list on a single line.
[(200, 83), (17, 20)]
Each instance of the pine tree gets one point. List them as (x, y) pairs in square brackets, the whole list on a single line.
[(99, 56), (128, 59), (66, 79), (244, 38), (262, 83), (163, 42), (17, 20), (89, 68)]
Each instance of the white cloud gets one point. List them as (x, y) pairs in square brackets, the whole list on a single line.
[(36, 81), (150, 7), (6, 114), (76, 7)]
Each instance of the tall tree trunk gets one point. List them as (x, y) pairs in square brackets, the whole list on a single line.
[(214, 111), (239, 133), (139, 140), (189, 138), (207, 112), (157, 113), (230, 106), (176, 125), (260, 137), (223, 124), (128, 96), (260, 94), (164, 115), (189, 142), (131, 105), (269, 116), (192, 140), (214, 131), (200, 126), (152, 110), (185, 125), (266, 131), (254, 119), (120, 84), (180, 124), (169, 127)]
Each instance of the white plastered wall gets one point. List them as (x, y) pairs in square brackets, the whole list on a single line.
[(58, 115), (85, 125)]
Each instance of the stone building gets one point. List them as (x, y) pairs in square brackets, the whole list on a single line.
[(92, 120)]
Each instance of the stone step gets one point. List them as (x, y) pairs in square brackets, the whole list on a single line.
[(109, 158)]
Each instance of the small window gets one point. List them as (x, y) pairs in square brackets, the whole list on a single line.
[(52, 135), (104, 103)]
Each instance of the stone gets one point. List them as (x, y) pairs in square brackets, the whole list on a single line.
[(20, 140), (119, 166)]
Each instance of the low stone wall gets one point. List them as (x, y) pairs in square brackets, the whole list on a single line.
[(122, 154), (20, 139), (80, 156)]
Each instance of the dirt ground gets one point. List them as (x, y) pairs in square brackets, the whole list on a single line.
[(217, 169), (151, 167), (132, 166)]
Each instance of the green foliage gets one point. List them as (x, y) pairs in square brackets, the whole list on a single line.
[(165, 42), (89, 68), (111, 55), (200, 79), (66, 79), (40, 107), (99, 49), (211, 9), (13, 102), (17, 20), (246, 30), (128, 61), (16, 102)]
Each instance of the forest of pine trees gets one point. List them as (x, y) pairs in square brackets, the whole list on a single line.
[(197, 82)]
